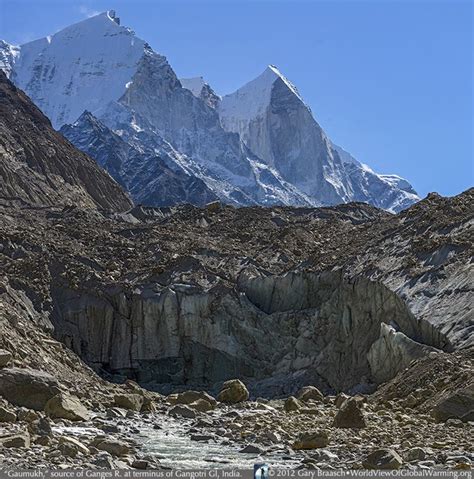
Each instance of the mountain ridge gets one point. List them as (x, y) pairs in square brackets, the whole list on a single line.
[(276, 155)]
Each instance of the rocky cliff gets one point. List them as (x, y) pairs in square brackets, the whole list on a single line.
[(39, 167)]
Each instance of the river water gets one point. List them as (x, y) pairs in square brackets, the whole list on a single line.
[(174, 448)]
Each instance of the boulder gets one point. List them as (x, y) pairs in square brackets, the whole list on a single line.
[(27, 387), (350, 415), (115, 413), (140, 464), (27, 415), (70, 447), (113, 446), (308, 393), (312, 440), (6, 415), (104, 460), (188, 397), (201, 405), (202, 437), (416, 454), (252, 449), (65, 406), (43, 427), (457, 405), (233, 391), (133, 402), (183, 411), (44, 441), (21, 439), (5, 357), (292, 404), (383, 459)]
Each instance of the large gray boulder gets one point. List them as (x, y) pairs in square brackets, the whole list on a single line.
[(383, 459), (65, 406), (233, 391), (350, 415), (27, 387), (312, 440), (134, 402), (457, 405), (20, 439)]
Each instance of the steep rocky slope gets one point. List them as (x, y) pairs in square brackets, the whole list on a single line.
[(39, 167), (149, 177), (195, 296)]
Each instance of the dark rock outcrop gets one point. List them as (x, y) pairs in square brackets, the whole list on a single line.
[(39, 167)]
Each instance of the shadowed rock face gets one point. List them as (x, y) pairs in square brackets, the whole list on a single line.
[(39, 167), (151, 179), (278, 326)]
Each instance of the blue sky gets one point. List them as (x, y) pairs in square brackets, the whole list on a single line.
[(391, 82)]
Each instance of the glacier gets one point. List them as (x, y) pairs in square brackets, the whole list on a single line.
[(170, 140)]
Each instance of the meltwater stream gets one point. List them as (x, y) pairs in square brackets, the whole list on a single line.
[(173, 446)]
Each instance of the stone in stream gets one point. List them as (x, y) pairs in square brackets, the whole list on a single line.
[(71, 447), (202, 405), (233, 391), (188, 397), (252, 449), (65, 406), (115, 447), (5, 357), (308, 393), (312, 440), (133, 402), (350, 415), (183, 411), (21, 439), (383, 459)]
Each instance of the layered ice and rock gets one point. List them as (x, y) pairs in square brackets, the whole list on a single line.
[(258, 146)]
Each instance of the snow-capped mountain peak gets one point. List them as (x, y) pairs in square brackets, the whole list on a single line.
[(258, 145), (252, 100), (81, 67)]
